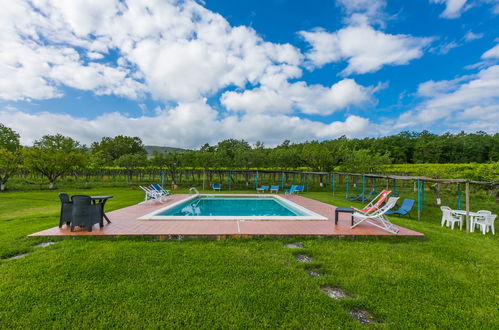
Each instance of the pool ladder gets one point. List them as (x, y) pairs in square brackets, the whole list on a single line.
[(194, 189)]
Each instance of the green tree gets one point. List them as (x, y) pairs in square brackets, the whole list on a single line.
[(317, 156), (59, 142), (10, 156), (131, 162), (227, 150), (9, 163), (364, 161), (55, 155), (113, 148), (9, 139)]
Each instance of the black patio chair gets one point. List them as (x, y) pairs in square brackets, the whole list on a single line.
[(85, 213), (66, 210)]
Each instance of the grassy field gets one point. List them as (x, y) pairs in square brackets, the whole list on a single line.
[(448, 280)]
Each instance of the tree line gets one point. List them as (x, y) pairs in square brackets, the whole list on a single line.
[(53, 156)]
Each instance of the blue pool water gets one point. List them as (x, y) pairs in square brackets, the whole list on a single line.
[(232, 206)]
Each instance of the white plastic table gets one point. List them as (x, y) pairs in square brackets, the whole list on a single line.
[(473, 215)]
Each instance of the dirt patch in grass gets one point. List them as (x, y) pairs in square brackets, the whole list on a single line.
[(44, 244), (361, 316), (334, 292), (313, 273), (303, 258), (19, 256), (297, 245)]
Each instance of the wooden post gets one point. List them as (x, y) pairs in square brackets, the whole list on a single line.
[(422, 195), (363, 187), (458, 196), (347, 179), (467, 206), (333, 183), (419, 200)]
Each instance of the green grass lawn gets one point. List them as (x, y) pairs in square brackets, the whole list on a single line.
[(448, 280)]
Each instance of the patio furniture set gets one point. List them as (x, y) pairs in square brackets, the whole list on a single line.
[(82, 211), (483, 219)]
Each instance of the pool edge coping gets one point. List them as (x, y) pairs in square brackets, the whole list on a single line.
[(312, 216)]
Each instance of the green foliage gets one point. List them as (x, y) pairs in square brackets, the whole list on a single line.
[(364, 161), (9, 139), (111, 149), (53, 164), (9, 163), (479, 172), (58, 142), (131, 161), (317, 156)]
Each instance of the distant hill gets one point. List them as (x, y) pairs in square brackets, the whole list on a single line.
[(151, 149)]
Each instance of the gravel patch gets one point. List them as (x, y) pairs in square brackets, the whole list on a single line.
[(313, 273), (294, 245), (19, 256), (334, 292), (44, 244), (361, 316), (303, 258)]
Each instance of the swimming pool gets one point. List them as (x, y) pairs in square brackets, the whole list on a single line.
[(233, 207)]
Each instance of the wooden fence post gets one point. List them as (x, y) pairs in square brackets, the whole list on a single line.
[(467, 206)]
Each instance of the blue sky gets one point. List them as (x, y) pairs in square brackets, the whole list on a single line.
[(182, 73)]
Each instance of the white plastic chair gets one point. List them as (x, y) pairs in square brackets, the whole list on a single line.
[(377, 218), (482, 214), (449, 218), (486, 223)]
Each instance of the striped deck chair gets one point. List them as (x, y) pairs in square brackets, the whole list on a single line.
[(374, 204), (377, 217)]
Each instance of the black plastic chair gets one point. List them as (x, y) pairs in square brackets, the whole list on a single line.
[(85, 214), (66, 210)]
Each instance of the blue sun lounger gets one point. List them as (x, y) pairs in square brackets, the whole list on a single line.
[(404, 209), (262, 189), (359, 198)]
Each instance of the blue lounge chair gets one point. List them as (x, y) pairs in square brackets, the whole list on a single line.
[(299, 189), (216, 187), (160, 189), (360, 198), (262, 189), (274, 189), (291, 190), (404, 209)]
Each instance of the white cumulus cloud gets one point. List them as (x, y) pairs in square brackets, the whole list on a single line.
[(365, 48), (308, 99), (187, 125), (173, 51), (492, 53), (453, 8), (469, 102)]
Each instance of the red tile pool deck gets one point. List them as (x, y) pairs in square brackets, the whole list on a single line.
[(124, 223)]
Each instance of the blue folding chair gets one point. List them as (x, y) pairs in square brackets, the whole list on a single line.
[(404, 209), (262, 189)]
